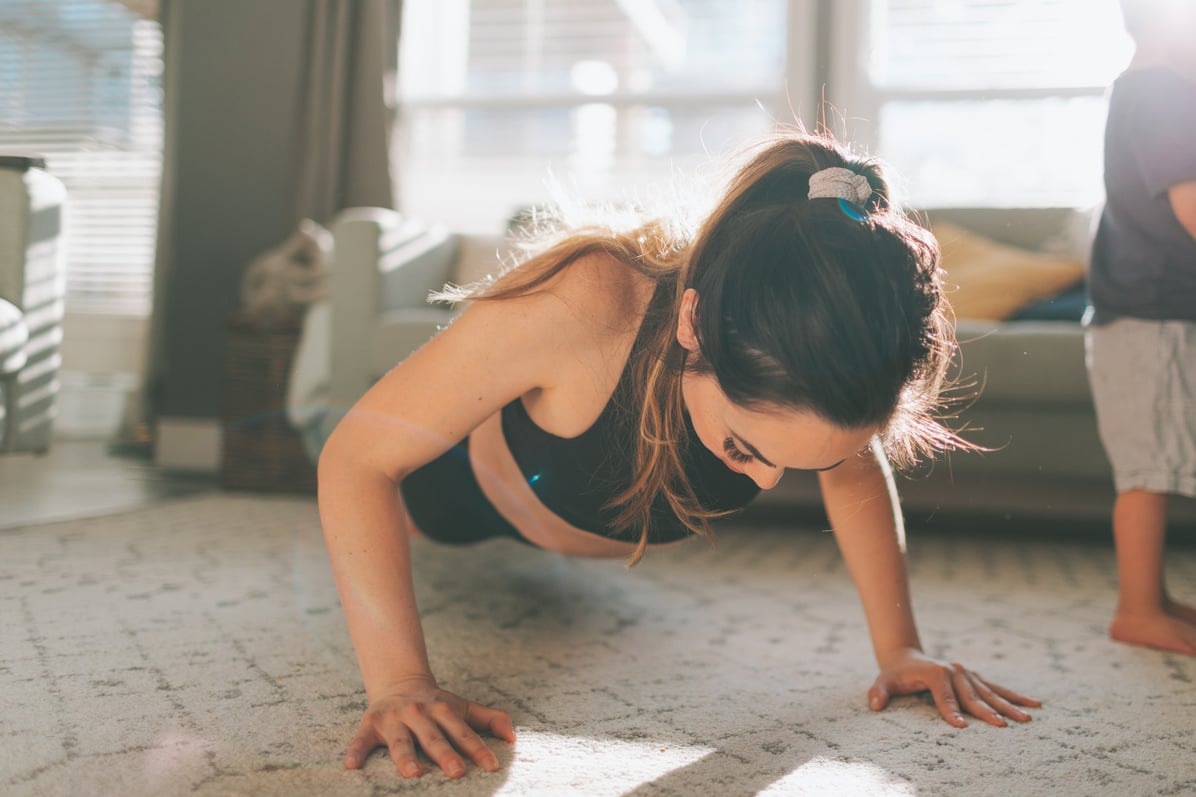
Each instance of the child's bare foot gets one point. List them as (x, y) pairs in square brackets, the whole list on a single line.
[(1181, 610), (1161, 630)]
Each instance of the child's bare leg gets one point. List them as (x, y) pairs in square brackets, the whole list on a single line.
[(1139, 529)]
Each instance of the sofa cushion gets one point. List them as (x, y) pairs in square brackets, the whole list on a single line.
[(1067, 306), (991, 281)]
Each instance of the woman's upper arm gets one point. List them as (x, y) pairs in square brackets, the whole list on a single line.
[(1183, 202), (491, 354)]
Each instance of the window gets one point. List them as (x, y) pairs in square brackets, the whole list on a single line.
[(603, 95), (80, 83), (982, 102), (972, 102)]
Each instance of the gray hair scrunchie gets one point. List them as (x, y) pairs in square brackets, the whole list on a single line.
[(837, 182)]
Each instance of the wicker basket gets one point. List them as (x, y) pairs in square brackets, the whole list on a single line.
[(261, 451)]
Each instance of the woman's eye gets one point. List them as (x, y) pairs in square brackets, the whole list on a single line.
[(734, 453)]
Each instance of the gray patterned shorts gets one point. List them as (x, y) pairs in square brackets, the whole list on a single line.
[(1143, 377)]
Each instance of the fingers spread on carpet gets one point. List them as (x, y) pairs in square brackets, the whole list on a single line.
[(433, 742), (492, 720), (944, 697), (965, 688), (990, 696), (878, 695), (953, 686), (402, 754), (361, 746), (1012, 696), (422, 717), (464, 737)]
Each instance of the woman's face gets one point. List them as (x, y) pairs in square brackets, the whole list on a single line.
[(762, 444)]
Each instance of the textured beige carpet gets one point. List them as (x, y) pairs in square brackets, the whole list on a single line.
[(196, 647)]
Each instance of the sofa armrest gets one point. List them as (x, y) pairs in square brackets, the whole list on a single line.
[(409, 268), (381, 261), (400, 333)]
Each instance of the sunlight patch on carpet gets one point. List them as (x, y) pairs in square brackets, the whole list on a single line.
[(820, 776), (549, 763)]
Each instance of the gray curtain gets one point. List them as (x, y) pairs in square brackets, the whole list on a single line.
[(170, 18), (344, 141), (325, 71)]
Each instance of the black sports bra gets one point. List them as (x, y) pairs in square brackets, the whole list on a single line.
[(575, 477)]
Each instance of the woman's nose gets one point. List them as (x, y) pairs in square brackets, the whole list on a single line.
[(765, 477)]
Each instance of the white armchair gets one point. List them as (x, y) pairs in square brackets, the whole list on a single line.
[(383, 267), (32, 292)]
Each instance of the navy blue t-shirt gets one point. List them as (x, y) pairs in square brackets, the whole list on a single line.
[(1143, 260)]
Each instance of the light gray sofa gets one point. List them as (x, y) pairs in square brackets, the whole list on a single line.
[(1031, 404)]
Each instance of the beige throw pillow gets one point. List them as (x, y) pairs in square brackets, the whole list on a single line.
[(991, 280)]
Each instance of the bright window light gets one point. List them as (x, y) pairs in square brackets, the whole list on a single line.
[(990, 102), (594, 77), (500, 99)]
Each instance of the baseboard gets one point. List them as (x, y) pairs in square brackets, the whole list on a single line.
[(188, 444)]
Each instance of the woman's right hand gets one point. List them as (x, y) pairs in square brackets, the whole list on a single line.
[(443, 725)]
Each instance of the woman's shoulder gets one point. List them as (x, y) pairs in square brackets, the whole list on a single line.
[(602, 294)]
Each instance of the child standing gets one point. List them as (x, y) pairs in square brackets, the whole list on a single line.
[(1142, 332)]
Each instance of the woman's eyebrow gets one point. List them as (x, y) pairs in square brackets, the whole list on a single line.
[(751, 449)]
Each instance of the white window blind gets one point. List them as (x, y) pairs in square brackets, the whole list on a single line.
[(604, 94), (988, 102), (80, 83)]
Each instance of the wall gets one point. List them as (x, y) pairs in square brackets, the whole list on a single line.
[(102, 361)]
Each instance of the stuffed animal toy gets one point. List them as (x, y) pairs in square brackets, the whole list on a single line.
[(281, 283)]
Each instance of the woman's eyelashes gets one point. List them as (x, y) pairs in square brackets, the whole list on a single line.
[(734, 453)]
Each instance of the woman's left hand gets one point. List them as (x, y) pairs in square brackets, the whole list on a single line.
[(956, 689)]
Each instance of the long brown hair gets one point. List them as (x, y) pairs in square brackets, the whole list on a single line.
[(821, 305)]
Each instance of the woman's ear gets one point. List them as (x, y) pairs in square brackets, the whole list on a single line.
[(685, 322)]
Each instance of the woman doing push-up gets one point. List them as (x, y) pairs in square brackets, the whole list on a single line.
[(622, 388)]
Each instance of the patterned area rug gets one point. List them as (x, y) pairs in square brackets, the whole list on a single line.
[(197, 648)]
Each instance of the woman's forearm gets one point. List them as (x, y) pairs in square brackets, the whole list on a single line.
[(860, 502), (370, 553)]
